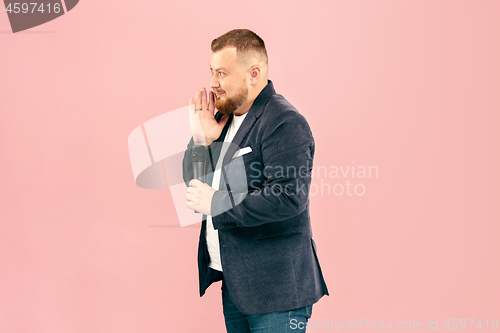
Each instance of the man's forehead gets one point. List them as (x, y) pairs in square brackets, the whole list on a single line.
[(223, 58)]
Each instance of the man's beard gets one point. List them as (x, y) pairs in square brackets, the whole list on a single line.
[(232, 103)]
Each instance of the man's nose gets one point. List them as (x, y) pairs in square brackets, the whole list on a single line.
[(214, 82)]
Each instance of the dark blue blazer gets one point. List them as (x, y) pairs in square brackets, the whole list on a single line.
[(268, 256)]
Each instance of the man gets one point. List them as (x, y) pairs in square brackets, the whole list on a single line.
[(256, 234)]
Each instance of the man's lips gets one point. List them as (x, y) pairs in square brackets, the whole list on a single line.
[(219, 94)]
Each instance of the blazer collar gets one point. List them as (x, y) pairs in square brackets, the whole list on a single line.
[(260, 102)]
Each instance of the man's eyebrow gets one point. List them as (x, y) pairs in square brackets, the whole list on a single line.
[(216, 69)]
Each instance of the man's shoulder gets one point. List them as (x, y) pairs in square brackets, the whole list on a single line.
[(279, 109), (280, 118), (280, 104)]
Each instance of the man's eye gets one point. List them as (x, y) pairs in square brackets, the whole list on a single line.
[(220, 73)]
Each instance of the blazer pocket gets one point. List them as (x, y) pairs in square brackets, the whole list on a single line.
[(242, 152)]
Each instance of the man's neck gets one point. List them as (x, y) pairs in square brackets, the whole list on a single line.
[(245, 107), (243, 110)]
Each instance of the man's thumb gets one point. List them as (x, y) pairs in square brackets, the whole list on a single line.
[(223, 120)]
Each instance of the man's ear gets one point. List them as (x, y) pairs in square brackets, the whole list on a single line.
[(254, 74)]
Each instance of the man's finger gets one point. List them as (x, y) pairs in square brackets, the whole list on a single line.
[(195, 183), (211, 102), (198, 100), (191, 106), (204, 99)]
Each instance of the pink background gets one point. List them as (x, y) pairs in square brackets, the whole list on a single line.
[(408, 86)]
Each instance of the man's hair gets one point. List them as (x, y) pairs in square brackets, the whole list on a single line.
[(243, 40)]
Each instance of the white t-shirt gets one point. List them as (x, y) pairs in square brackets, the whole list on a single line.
[(211, 234)]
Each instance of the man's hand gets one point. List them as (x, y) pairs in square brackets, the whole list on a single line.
[(204, 128), (199, 197)]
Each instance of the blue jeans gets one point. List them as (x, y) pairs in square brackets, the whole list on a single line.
[(294, 321)]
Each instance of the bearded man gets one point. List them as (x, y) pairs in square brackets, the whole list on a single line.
[(256, 232)]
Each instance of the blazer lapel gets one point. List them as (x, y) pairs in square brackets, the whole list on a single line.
[(215, 149), (253, 114), (245, 127)]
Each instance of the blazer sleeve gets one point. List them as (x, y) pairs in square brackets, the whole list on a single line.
[(287, 148)]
